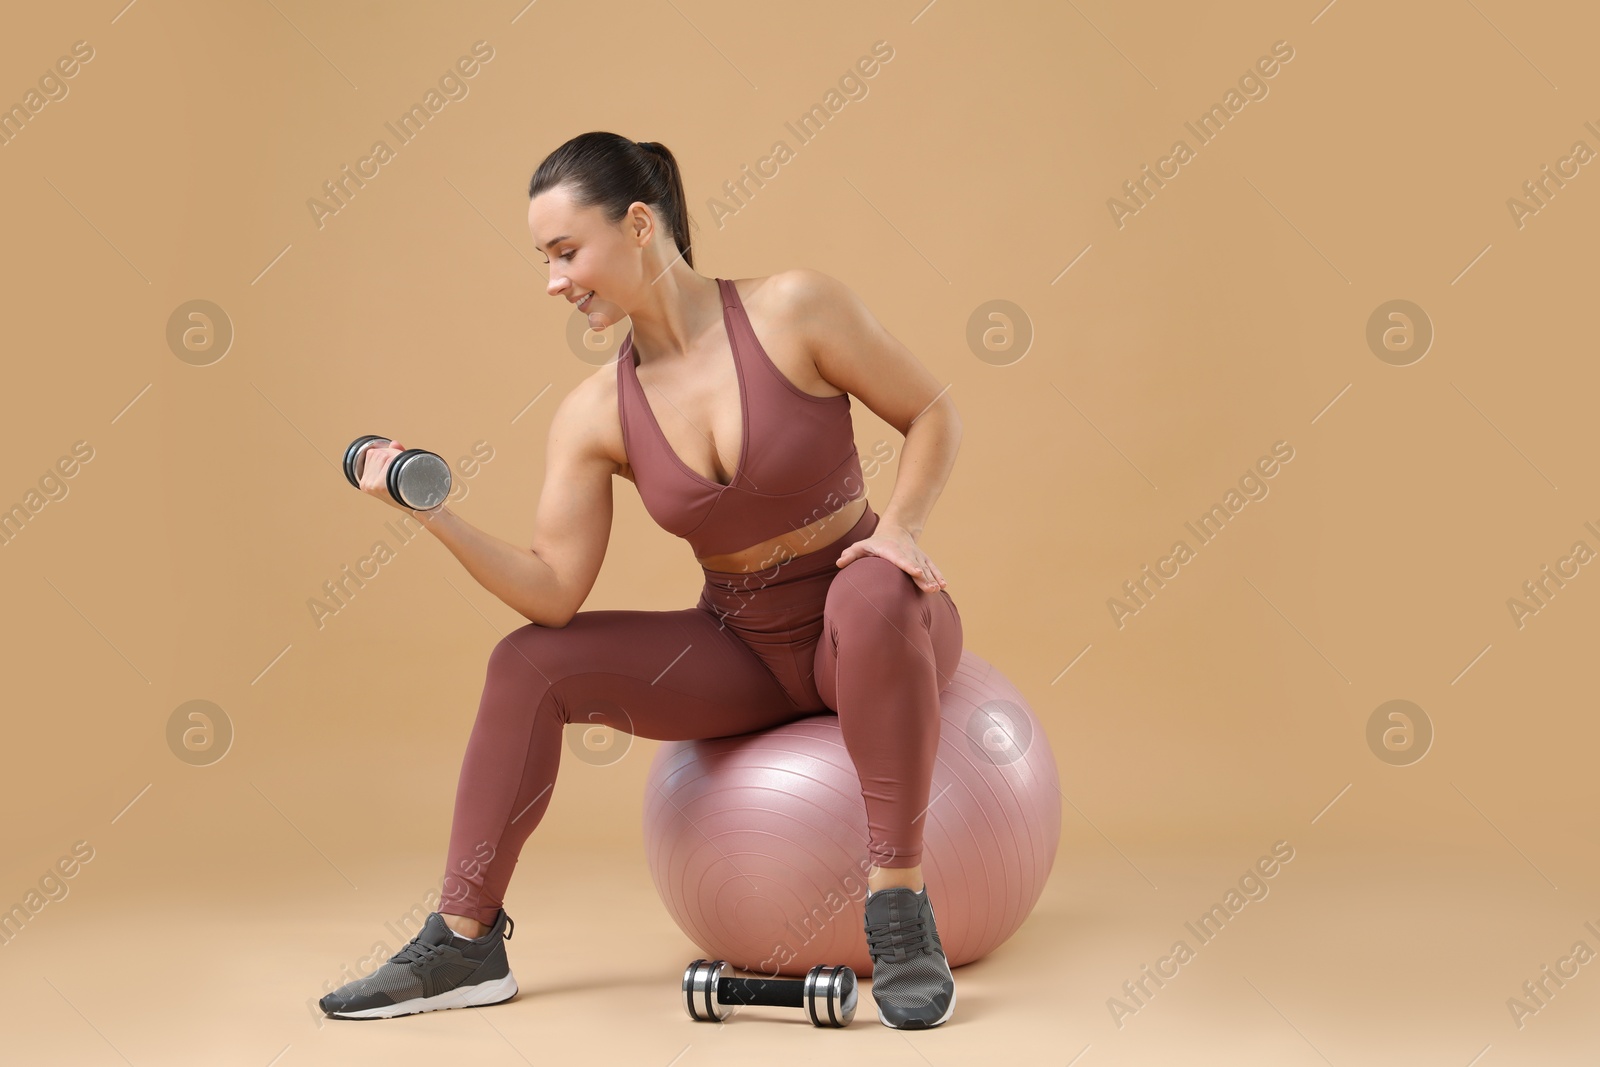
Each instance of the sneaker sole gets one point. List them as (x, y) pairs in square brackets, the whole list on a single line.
[(928, 1026), (468, 996)]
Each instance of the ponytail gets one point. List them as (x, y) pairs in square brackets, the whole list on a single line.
[(610, 171)]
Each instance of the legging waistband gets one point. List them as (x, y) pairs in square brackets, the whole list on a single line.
[(789, 583)]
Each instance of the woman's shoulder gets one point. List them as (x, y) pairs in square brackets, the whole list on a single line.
[(587, 419), (790, 294), (803, 305)]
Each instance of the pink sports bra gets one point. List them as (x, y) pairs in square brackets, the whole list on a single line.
[(797, 458)]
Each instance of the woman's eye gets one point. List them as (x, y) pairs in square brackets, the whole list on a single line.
[(567, 255)]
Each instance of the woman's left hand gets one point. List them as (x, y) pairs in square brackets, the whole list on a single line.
[(895, 544)]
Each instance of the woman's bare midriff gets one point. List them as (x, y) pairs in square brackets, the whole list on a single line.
[(802, 542)]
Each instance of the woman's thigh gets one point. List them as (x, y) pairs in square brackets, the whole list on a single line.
[(897, 631), (665, 675)]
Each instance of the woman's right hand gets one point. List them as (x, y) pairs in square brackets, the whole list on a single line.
[(375, 463)]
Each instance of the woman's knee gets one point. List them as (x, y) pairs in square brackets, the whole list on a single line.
[(516, 649), (525, 662), (873, 600), (874, 592), (548, 669)]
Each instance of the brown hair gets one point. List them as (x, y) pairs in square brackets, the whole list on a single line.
[(610, 171)]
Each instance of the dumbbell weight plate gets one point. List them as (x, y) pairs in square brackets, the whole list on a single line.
[(418, 479), (831, 989)]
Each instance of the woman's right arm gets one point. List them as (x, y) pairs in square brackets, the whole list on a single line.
[(517, 575), (548, 581)]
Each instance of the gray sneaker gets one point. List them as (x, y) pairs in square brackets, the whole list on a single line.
[(436, 970), (911, 979)]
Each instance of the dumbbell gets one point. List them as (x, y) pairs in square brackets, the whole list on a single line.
[(827, 993), (418, 479)]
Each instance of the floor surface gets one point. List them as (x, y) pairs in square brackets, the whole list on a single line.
[(1347, 959)]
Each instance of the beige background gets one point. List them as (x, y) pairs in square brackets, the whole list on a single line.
[(1229, 313)]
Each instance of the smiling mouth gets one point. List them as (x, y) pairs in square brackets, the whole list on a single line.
[(584, 301)]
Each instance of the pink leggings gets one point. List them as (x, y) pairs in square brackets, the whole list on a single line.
[(749, 656)]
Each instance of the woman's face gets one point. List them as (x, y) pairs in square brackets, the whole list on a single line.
[(585, 255)]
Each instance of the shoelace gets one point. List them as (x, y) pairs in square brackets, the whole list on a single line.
[(895, 940), (418, 951)]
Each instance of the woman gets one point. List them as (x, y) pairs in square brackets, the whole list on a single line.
[(729, 408)]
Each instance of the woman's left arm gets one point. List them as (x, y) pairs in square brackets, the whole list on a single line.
[(853, 351), (926, 459)]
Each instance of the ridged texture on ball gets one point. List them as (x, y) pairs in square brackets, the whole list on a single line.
[(758, 843)]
